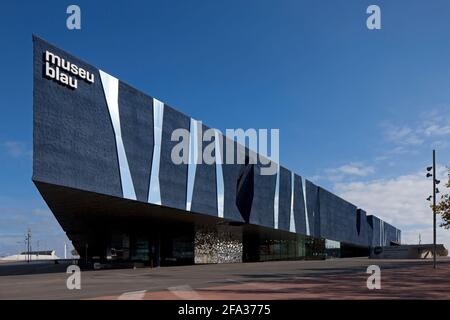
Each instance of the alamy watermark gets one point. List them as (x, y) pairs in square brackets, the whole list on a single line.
[(373, 22), (374, 280), (74, 280), (73, 21), (252, 147)]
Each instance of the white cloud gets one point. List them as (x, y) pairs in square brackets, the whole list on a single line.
[(400, 201), (437, 130), (431, 128), (17, 149), (356, 169), (402, 135), (346, 171)]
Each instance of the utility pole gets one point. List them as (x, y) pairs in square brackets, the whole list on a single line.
[(28, 241), (434, 209)]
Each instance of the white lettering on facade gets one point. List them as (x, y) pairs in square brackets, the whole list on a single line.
[(65, 72)]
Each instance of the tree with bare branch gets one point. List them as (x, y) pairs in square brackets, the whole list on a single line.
[(443, 207)]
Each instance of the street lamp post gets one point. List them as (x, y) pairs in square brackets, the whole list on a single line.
[(434, 209), (435, 190)]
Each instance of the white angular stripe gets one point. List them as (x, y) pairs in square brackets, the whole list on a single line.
[(111, 90), (292, 220), (276, 199), (381, 233), (308, 233), (219, 175), (154, 192), (192, 166)]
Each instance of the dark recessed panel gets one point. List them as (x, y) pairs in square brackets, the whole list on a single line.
[(374, 230), (284, 211), (299, 206), (245, 191), (231, 174), (362, 228), (312, 201)]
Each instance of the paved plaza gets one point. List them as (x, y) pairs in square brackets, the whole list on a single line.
[(331, 279)]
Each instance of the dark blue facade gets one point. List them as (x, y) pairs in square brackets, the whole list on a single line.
[(73, 139), (299, 206), (77, 146), (137, 135), (381, 233), (172, 178)]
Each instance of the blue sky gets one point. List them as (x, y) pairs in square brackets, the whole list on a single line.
[(359, 111)]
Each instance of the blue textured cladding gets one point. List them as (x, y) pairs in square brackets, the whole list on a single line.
[(73, 137), (381, 233), (230, 176), (337, 218), (263, 200), (312, 204), (362, 228), (204, 198), (284, 202), (374, 230), (299, 206), (333, 218), (136, 121), (398, 236), (74, 146), (172, 177), (390, 233)]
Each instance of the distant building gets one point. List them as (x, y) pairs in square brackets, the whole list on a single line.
[(412, 251), (32, 255)]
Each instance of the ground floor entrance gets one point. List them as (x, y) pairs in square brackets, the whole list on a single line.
[(158, 244), (115, 230)]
